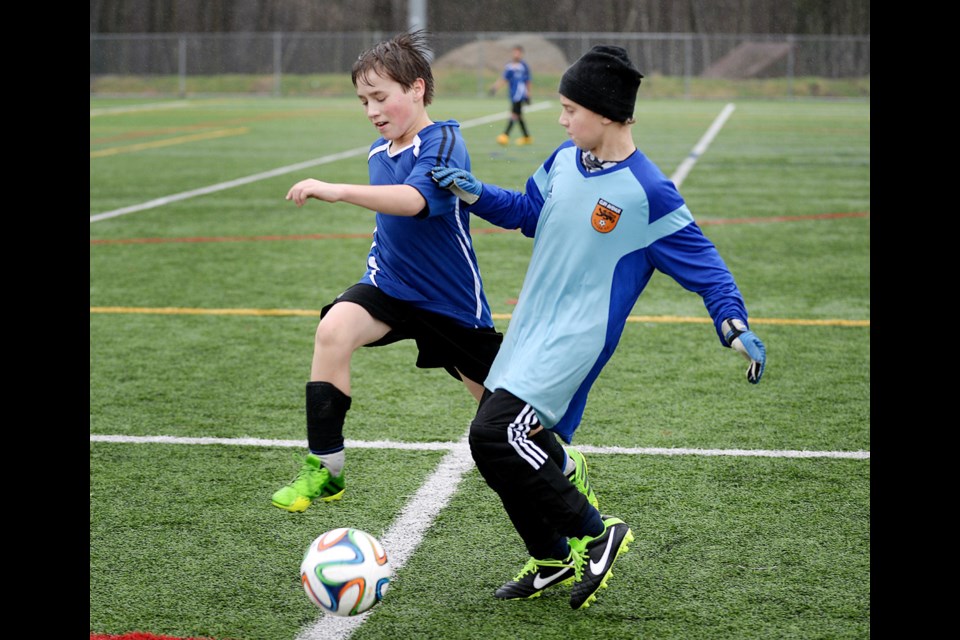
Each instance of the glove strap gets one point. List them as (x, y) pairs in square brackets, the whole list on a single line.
[(732, 329)]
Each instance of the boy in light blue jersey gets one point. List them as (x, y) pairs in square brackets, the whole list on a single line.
[(603, 218), (422, 280)]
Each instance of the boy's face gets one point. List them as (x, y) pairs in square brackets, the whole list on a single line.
[(584, 127), (517, 55), (397, 114)]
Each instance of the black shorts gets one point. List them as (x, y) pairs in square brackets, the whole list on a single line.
[(441, 342), (517, 108)]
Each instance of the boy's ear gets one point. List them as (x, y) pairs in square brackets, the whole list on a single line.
[(419, 87)]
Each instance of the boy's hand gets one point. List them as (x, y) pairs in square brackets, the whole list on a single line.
[(747, 343), (460, 182), (311, 188)]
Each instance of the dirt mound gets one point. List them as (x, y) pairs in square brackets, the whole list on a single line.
[(749, 60), (541, 55)]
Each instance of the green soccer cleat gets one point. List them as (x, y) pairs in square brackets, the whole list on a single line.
[(538, 575), (313, 482), (598, 556), (580, 479)]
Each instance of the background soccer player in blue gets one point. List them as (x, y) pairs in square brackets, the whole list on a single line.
[(516, 74), (603, 218), (422, 280)]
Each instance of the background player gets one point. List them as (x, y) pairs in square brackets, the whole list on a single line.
[(516, 74)]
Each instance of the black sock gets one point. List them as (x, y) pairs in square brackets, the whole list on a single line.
[(509, 126), (523, 127), (326, 409)]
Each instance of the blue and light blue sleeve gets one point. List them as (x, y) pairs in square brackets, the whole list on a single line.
[(510, 209), (693, 261)]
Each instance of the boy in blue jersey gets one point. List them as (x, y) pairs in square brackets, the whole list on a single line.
[(422, 280), (516, 74), (603, 218)]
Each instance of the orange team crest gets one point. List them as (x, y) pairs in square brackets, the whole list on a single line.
[(605, 216)]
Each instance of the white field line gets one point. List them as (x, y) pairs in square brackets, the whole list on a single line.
[(406, 532), (701, 147), (462, 447), (159, 202)]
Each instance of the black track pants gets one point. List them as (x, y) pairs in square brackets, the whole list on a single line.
[(525, 472)]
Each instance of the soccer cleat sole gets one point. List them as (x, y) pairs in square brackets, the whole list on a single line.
[(624, 547), (300, 504), (563, 583), (335, 496)]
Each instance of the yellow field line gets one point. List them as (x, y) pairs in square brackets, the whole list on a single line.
[(222, 133), (496, 316)]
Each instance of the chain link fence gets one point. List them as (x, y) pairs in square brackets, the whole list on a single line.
[(177, 63)]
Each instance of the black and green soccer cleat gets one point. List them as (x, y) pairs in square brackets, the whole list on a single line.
[(598, 555), (539, 575)]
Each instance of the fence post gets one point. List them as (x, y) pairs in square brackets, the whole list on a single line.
[(480, 65), (687, 63), (277, 62), (790, 61), (182, 64)]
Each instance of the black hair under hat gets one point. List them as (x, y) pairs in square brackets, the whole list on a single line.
[(604, 81)]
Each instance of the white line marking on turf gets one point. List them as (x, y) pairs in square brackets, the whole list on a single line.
[(450, 446), (701, 147), (159, 202), (406, 532)]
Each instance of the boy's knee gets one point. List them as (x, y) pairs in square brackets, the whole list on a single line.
[(485, 440)]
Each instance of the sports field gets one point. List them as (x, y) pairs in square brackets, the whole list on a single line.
[(750, 503)]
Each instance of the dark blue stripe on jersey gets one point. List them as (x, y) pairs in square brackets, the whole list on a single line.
[(666, 199), (553, 156), (446, 136), (444, 133)]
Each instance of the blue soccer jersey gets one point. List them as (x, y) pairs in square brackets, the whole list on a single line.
[(517, 74), (598, 237), (427, 260)]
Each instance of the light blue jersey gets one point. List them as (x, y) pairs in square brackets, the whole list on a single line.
[(598, 237), (427, 260)]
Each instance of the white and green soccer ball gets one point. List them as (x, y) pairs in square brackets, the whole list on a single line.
[(345, 571)]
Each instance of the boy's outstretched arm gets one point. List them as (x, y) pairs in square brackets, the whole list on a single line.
[(693, 261), (392, 199), (502, 207)]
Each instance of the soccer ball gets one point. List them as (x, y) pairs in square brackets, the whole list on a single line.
[(345, 571)]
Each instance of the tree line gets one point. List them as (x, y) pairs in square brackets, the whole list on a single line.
[(804, 17)]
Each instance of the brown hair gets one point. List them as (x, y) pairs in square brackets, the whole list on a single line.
[(403, 58)]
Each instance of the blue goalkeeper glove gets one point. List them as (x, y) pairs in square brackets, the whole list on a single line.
[(738, 337), (460, 182)]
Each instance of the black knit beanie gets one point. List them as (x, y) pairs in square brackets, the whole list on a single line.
[(604, 81)]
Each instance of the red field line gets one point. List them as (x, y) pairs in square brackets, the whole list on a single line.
[(814, 216), (306, 236), (336, 236), (138, 635)]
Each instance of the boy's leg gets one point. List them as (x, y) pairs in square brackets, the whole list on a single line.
[(518, 468), (546, 509), (343, 329)]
